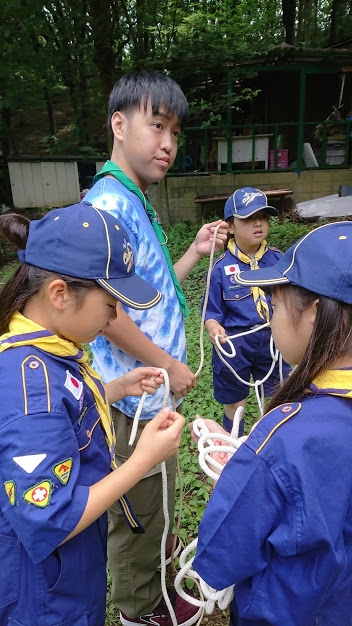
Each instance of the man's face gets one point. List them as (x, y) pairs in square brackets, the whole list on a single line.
[(145, 144)]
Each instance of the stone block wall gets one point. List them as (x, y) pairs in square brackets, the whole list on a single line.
[(174, 197)]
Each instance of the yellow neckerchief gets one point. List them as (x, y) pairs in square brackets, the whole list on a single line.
[(259, 297), (25, 332), (333, 383)]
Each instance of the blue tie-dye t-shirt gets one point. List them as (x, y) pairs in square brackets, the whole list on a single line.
[(162, 324)]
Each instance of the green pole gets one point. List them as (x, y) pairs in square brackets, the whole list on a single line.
[(301, 111), (229, 122)]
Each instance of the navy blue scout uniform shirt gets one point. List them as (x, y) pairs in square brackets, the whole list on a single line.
[(230, 304), (279, 522), (52, 448)]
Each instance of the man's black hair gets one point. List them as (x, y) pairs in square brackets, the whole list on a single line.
[(133, 91)]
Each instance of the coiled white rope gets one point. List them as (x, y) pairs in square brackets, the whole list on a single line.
[(211, 596), (221, 598)]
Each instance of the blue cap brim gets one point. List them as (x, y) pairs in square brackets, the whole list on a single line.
[(268, 209), (265, 277), (132, 291)]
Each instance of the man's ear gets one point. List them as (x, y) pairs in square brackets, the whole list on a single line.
[(58, 294), (118, 123)]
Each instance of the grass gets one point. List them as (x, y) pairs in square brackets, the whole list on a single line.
[(196, 486)]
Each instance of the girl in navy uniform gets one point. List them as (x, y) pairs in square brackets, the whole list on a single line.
[(56, 437), (233, 309), (279, 523)]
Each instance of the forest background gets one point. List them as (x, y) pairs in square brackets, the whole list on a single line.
[(60, 60)]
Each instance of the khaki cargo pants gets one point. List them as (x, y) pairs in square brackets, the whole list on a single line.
[(134, 559)]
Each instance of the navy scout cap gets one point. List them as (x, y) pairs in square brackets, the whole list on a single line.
[(87, 243), (246, 201), (321, 262)]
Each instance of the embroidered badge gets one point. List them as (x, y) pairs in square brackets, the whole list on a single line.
[(231, 269), (29, 462), (127, 255), (74, 385), (10, 488), (62, 471), (248, 197), (39, 494)]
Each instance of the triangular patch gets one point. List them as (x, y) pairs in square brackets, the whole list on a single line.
[(62, 471), (39, 494), (29, 462), (10, 488)]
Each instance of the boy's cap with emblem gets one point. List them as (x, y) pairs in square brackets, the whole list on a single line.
[(246, 201), (321, 262), (87, 243)]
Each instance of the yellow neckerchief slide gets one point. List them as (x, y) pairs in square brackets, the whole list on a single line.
[(259, 297), (24, 332)]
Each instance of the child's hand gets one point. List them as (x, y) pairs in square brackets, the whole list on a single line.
[(213, 427), (161, 437), (134, 383), (214, 328), (140, 380)]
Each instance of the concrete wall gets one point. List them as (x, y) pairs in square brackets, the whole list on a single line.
[(173, 198)]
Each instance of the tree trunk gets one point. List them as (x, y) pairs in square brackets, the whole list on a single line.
[(288, 17)]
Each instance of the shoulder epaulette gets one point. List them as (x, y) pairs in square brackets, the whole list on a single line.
[(275, 249), (270, 423), (219, 258)]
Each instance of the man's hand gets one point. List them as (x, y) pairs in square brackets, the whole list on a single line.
[(182, 380), (205, 235)]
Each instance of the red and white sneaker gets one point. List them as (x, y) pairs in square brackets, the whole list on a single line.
[(186, 614)]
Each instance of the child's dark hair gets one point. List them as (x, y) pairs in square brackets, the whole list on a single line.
[(133, 91), (28, 279), (229, 221), (331, 339)]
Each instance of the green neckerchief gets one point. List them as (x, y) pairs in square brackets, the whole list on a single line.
[(113, 169)]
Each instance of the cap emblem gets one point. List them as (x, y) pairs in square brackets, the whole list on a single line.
[(249, 197), (127, 255)]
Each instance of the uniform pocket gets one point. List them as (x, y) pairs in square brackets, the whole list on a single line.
[(76, 621), (237, 293), (10, 557)]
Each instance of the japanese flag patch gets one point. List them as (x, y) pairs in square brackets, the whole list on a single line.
[(231, 269), (74, 385)]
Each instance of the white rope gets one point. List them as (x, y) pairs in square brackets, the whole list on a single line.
[(206, 447), (258, 385), (221, 598), (164, 492)]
